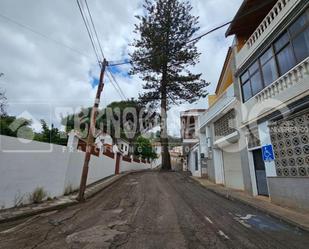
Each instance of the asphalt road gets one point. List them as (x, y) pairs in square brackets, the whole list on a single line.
[(153, 210)]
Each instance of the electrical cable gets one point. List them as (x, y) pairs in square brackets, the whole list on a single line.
[(89, 33), (204, 34)]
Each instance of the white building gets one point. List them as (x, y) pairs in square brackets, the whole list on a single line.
[(272, 71), (176, 158), (190, 138), (103, 140), (218, 135), (158, 150)]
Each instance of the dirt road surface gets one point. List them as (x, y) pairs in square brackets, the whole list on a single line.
[(153, 210)]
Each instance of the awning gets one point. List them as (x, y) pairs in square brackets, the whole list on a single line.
[(250, 14)]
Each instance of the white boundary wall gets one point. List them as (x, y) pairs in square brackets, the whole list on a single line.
[(26, 165), (133, 166)]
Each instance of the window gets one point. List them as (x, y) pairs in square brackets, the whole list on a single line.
[(246, 90), (192, 120), (301, 45), (246, 86), (269, 69), (196, 160), (290, 48), (285, 60), (254, 68), (300, 23), (225, 125), (284, 54), (266, 56), (251, 81), (256, 83), (281, 42), (244, 77)]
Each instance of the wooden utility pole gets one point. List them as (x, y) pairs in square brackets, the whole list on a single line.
[(91, 134)]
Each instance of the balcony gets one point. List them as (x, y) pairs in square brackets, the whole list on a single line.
[(284, 82), (189, 137), (224, 101), (273, 19), (288, 88)]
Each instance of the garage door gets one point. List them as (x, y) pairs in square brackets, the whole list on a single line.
[(232, 168)]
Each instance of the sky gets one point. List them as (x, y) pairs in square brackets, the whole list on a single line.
[(50, 68)]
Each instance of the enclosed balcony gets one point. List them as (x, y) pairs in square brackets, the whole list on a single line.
[(270, 23), (279, 75)]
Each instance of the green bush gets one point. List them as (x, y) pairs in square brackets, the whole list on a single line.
[(38, 195)]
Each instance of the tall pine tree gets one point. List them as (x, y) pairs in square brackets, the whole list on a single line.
[(163, 56)]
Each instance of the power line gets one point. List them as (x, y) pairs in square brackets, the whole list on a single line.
[(88, 31), (91, 35), (265, 3), (210, 31), (95, 30), (204, 34), (120, 63), (110, 76), (89, 27), (21, 25), (114, 85), (116, 82)]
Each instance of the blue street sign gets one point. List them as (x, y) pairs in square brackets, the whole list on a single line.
[(268, 153)]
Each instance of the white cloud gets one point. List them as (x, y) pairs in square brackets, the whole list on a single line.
[(39, 72)]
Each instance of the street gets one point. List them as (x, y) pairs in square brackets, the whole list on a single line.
[(153, 210)]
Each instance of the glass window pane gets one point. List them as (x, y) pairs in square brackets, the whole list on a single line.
[(253, 67), (281, 42), (246, 90), (298, 24), (266, 56), (301, 45), (269, 72), (244, 77), (256, 83), (285, 60)]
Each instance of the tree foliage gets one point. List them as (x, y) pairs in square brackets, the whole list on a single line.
[(15, 127), (51, 135), (21, 128), (144, 149), (2, 104), (116, 119), (164, 54)]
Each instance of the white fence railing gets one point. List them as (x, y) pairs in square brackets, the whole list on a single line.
[(271, 17), (284, 82), (272, 20)]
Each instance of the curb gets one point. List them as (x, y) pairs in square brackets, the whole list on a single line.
[(105, 184), (36, 212), (72, 202), (265, 210)]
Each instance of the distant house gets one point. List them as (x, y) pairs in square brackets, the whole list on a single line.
[(123, 146), (157, 149), (104, 141), (177, 158), (190, 140)]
